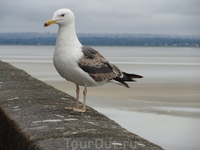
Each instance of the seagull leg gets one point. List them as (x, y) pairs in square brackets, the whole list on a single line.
[(77, 99), (77, 96), (84, 102)]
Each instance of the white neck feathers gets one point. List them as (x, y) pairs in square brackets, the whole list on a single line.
[(67, 36)]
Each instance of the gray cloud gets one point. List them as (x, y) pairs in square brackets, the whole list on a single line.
[(105, 16)]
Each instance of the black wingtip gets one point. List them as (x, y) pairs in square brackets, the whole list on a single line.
[(124, 84), (133, 75), (127, 78)]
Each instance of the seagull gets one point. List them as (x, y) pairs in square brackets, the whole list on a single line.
[(80, 64)]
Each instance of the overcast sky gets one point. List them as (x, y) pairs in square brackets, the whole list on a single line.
[(181, 17)]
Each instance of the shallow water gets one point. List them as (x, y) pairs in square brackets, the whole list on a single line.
[(154, 63)]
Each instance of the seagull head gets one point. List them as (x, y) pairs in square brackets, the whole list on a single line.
[(61, 17)]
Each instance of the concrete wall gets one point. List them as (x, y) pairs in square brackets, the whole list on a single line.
[(32, 117)]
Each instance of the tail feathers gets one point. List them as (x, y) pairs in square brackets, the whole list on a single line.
[(127, 77)]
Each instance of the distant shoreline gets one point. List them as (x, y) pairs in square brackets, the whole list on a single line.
[(101, 45), (98, 45), (146, 40)]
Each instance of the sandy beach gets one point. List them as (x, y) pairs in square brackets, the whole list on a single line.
[(140, 96), (163, 107)]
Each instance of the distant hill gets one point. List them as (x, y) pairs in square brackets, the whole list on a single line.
[(34, 38)]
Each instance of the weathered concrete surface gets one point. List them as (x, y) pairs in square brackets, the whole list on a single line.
[(32, 117)]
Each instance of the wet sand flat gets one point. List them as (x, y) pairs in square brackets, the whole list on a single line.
[(140, 97)]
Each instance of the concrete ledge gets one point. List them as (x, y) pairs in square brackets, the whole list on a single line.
[(32, 117)]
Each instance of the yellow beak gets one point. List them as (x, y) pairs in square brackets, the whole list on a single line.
[(49, 22)]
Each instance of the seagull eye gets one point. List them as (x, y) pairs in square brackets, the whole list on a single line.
[(63, 15)]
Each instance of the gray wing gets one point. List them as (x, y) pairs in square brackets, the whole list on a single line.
[(97, 66)]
